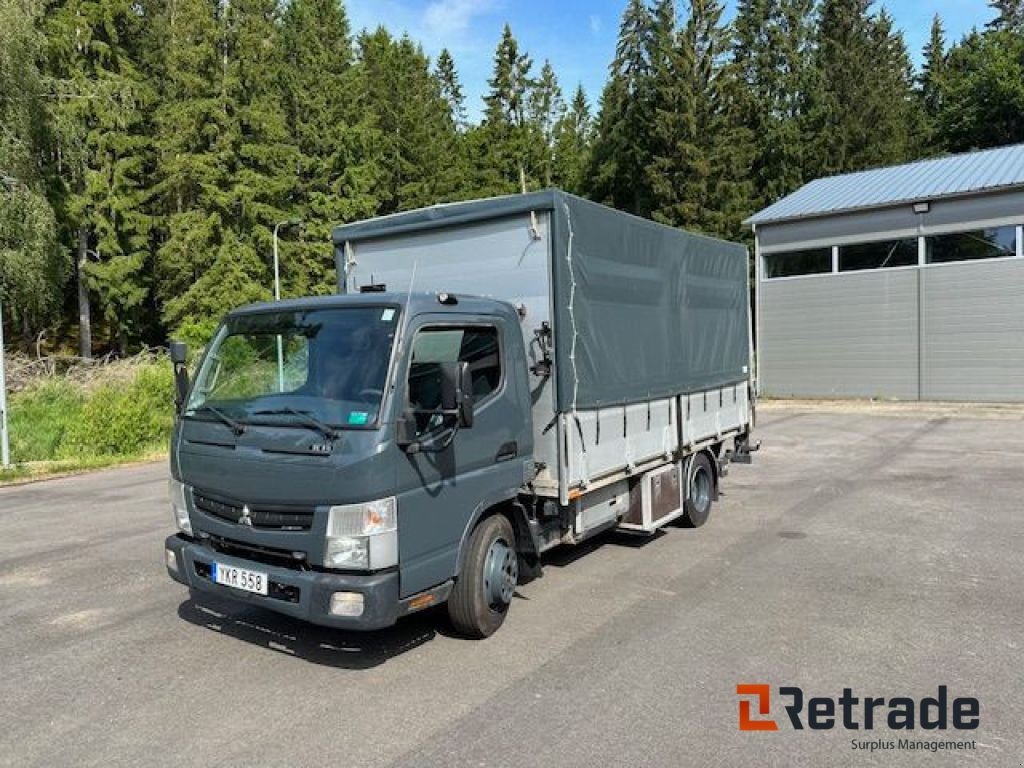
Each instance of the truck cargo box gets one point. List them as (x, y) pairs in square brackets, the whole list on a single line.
[(638, 334)]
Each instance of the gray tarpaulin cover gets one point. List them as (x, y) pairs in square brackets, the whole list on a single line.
[(653, 311)]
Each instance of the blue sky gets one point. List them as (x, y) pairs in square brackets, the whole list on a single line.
[(578, 36)]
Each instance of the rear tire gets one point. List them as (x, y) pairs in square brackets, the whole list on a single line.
[(700, 490), (480, 599)]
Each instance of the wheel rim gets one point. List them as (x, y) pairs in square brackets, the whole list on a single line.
[(501, 572), (700, 489)]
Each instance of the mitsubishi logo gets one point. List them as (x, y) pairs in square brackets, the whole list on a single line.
[(246, 518)]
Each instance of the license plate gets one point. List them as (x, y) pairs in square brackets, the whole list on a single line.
[(239, 578)]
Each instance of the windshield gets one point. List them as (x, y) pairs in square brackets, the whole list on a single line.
[(329, 364)]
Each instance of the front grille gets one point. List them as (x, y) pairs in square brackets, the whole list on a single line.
[(283, 558), (264, 516)]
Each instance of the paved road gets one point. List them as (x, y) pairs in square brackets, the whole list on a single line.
[(883, 553)]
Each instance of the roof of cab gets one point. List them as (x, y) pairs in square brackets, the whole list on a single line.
[(418, 302)]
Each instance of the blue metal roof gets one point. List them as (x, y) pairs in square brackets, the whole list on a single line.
[(924, 180)]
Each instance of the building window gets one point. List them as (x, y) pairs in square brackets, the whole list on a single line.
[(991, 243), (887, 253), (792, 263)]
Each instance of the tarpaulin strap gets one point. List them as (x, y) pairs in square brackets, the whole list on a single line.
[(584, 470)]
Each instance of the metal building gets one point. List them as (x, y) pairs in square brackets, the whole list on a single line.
[(904, 283)]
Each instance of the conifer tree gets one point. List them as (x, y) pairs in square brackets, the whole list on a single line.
[(32, 266), (329, 122), (573, 135), (771, 54), (931, 84), (508, 148), (451, 89), (983, 92), (1010, 15), (416, 133), (546, 108), (861, 105), (617, 173), (101, 143)]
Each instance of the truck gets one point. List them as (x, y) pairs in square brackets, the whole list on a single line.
[(492, 379)]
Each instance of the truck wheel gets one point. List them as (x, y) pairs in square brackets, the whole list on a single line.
[(700, 489), (483, 591)]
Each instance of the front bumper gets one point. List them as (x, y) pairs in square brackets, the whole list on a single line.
[(381, 604)]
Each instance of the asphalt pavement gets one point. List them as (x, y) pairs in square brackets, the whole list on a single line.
[(873, 550)]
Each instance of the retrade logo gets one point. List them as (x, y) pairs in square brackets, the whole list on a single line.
[(763, 694), (822, 713)]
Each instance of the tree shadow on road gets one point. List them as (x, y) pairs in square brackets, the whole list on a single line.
[(299, 639)]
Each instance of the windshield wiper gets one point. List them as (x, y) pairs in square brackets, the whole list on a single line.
[(306, 418), (236, 426)]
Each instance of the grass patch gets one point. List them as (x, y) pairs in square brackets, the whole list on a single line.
[(62, 424)]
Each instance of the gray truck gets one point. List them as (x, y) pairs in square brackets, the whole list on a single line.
[(493, 379)]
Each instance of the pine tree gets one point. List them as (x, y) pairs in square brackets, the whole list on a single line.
[(451, 89), (617, 173), (771, 53), (983, 92), (1010, 15), (103, 149), (32, 266), (546, 108), (333, 131), (701, 159), (227, 161), (573, 135), (417, 138), (931, 84), (861, 96), (507, 147)]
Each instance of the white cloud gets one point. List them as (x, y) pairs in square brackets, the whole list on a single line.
[(451, 18), (595, 24)]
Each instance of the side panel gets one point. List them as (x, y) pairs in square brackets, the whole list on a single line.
[(503, 258), (846, 335), (608, 440), (614, 441), (972, 345), (713, 413)]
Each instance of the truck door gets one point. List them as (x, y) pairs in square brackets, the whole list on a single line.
[(438, 492)]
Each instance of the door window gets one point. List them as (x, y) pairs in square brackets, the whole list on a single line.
[(476, 345)]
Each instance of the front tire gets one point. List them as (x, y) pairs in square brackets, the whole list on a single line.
[(480, 599), (700, 490)]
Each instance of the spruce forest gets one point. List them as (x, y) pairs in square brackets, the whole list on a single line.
[(149, 147)]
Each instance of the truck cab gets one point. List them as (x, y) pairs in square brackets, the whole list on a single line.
[(334, 455)]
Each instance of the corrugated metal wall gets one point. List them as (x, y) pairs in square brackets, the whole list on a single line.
[(940, 332), (847, 335), (972, 341)]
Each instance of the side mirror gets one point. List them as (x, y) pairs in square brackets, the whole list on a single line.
[(457, 391), (179, 353)]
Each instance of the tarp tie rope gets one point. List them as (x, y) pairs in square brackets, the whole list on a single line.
[(572, 348)]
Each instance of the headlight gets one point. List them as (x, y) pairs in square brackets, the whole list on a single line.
[(176, 493), (363, 536)]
